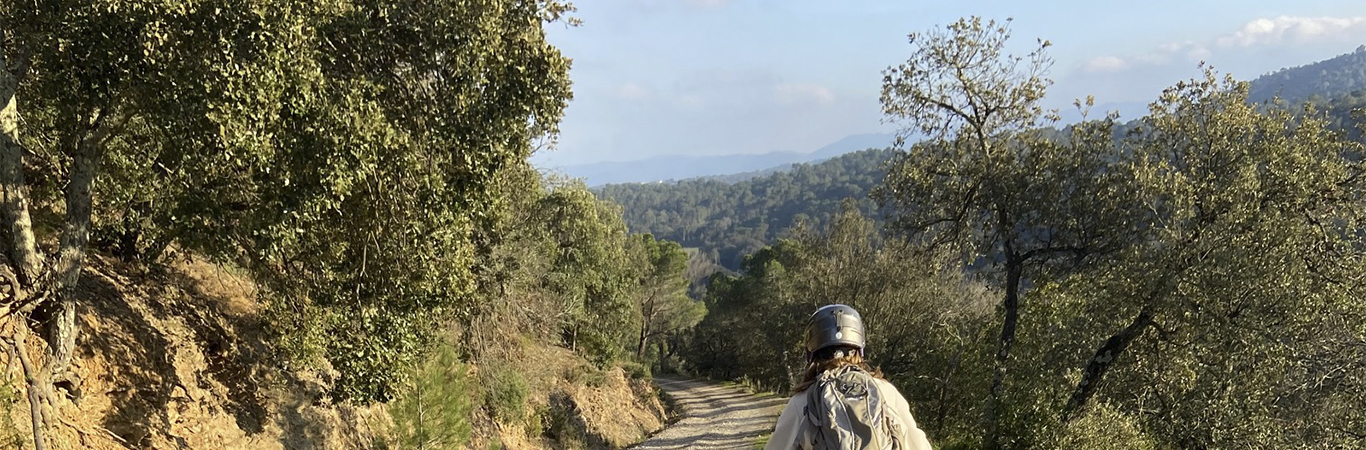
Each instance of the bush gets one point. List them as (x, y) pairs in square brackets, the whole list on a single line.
[(637, 370), (505, 395), (587, 375)]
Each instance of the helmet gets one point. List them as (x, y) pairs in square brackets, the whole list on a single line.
[(833, 325)]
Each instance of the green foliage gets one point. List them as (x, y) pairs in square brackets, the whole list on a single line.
[(1194, 284), (434, 413), (9, 431), (663, 304), (1250, 263), (726, 221), (923, 320), (505, 394), (636, 370), (1101, 427), (344, 152), (559, 267), (989, 182), (589, 270)]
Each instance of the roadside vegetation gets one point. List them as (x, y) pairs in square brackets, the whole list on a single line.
[(1194, 281)]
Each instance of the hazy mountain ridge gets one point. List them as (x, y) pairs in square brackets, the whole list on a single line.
[(680, 167)]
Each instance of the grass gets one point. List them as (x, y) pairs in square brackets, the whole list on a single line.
[(762, 441), (749, 386)]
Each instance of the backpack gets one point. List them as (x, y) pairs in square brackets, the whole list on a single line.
[(845, 411)]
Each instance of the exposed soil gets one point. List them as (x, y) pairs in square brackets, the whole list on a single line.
[(177, 358), (715, 416)]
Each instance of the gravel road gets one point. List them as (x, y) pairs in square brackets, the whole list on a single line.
[(714, 416)]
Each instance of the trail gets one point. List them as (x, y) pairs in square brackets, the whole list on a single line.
[(714, 416)]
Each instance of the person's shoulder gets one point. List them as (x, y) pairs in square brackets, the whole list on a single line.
[(886, 386), (797, 400)]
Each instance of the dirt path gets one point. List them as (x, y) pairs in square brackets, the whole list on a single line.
[(714, 416)]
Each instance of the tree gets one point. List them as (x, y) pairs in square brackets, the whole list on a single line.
[(590, 270), (986, 180), (663, 299), (1247, 270), (434, 413), (341, 151), (91, 80)]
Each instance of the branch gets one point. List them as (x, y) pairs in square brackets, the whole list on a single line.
[(36, 393), (1077, 251), (944, 106), (1101, 362)]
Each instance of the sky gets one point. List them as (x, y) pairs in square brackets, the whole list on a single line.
[(709, 77)]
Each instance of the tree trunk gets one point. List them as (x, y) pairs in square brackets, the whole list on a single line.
[(71, 252), (640, 345), (22, 250), (648, 310), (1105, 356), (1014, 270)]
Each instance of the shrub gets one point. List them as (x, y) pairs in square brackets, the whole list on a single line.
[(505, 395), (636, 370), (9, 432)]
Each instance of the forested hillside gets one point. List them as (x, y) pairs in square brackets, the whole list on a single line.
[(727, 217), (1197, 284), (727, 221), (1319, 81)]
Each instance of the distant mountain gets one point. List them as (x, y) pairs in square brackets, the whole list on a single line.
[(679, 167), (1319, 81)]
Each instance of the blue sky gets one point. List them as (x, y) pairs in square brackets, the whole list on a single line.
[(656, 77)]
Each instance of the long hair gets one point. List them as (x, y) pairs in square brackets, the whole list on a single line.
[(834, 358)]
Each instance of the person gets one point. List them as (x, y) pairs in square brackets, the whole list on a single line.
[(834, 351)]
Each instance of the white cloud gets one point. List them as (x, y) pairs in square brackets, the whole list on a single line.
[(632, 91), (1296, 30), (1264, 32), (1105, 64), (793, 93)]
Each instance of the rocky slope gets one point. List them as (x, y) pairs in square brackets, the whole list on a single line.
[(178, 357)]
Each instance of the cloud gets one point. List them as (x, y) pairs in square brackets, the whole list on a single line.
[(796, 93), (1105, 64), (1187, 51), (1295, 30), (1283, 31), (632, 91)]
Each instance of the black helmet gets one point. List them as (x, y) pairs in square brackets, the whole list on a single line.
[(833, 325)]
